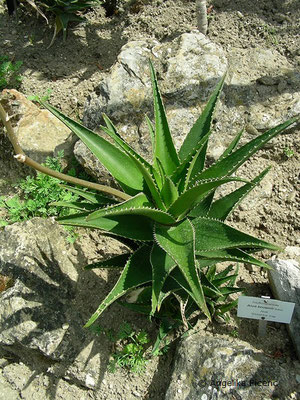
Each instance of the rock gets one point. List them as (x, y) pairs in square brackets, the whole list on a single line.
[(7, 393), (285, 284), (40, 134), (188, 69), (42, 314), (222, 368), (19, 381)]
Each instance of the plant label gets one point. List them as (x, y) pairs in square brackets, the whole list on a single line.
[(265, 309)]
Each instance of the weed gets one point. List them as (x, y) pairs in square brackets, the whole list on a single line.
[(9, 76), (43, 97), (37, 194), (234, 333), (130, 345), (65, 11), (288, 152), (270, 33)]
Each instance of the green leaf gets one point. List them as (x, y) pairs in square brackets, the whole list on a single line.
[(197, 162), (202, 209), (191, 197), (111, 130), (169, 192), (165, 327), (136, 273), (113, 262), (230, 255), (221, 281), (232, 145), (140, 200), (202, 125), (90, 196), (223, 308), (220, 209), (134, 227), (226, 290), (118, 163), (214, 235), (137, 205), (149, 180), (151, 131), (164, 149), (179, 243), (187, 167), (233, 161), (162, 265)]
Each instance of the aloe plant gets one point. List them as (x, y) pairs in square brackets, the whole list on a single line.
[(167, 213)]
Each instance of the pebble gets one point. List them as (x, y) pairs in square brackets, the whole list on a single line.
[(251, 130), (298, 378)]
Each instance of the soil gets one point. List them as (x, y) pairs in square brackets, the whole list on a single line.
[(73, 69)]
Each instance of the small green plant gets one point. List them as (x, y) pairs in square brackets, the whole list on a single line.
[(234, 333), (37, 195), (9, 76), (130, 347), (288, 152), (270, 33), (167, 213), (44, 97), (131, 354)]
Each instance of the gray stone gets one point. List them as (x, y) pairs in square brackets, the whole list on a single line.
[(285, 284), (42, 314), (215, 367), (7, 392)]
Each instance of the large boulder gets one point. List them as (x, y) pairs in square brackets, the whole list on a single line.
[(218, 367), (44, 305)]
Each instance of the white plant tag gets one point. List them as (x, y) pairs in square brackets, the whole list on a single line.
[(265, 309)]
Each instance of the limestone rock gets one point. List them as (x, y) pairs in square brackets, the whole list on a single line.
[(40, 134), (285, 284), (220, 368), (43, 312)]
